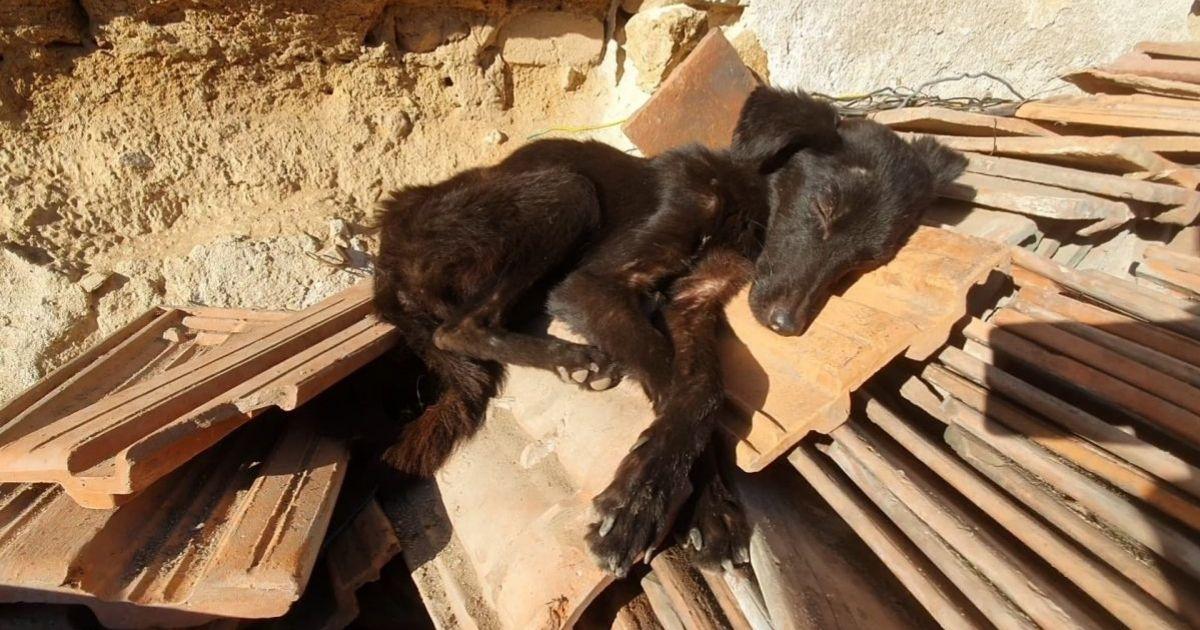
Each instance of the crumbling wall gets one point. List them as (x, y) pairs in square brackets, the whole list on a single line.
[(853, 47)]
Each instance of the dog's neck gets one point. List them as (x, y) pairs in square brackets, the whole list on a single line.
[(749, 204)]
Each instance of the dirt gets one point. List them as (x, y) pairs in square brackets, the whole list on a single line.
[(232, 153)]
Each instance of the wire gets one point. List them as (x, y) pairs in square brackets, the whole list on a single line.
[(904, 96)]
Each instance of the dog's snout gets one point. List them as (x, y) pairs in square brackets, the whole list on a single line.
[(781, 321)]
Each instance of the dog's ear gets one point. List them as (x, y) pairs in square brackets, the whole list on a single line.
[(944, 164), (776, 123)]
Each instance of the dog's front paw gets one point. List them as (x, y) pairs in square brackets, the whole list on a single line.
[(715, 534), (589, 368), (634, 513)]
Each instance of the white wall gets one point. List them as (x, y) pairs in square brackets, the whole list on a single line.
[(840, 47)]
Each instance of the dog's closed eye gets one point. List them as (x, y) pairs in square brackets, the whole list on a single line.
[(826, 208)]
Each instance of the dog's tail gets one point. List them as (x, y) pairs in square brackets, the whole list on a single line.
[(944, 163), (465, 385)]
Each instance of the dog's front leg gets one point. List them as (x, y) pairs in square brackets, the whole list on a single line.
[(635, 511)]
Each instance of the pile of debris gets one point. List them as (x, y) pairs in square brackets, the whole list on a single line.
[(1001, 426)]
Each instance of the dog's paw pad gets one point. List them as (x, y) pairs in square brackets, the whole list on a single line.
[(594, 372), (602, 383)]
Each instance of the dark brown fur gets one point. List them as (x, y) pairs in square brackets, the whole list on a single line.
[(599, 238)]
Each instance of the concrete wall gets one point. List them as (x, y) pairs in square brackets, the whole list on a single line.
[(840, 47)]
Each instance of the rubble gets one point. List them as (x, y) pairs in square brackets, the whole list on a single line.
[(657, 39)]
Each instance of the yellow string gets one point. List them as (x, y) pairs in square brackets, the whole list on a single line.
[(576, 129)]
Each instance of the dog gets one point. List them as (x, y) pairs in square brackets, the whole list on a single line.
[(639, 257)]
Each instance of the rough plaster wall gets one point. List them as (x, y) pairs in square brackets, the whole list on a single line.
[(844, 47), (231, 153)]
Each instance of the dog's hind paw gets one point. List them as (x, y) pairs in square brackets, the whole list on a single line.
[(715, 533), (590, 369)]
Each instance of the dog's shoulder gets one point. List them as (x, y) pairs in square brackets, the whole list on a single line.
[(694, 166)]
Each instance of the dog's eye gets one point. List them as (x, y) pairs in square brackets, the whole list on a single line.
[(826, 208)]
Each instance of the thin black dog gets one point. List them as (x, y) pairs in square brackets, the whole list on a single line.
[(601, 238)]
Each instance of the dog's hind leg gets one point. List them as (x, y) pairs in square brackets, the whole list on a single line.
[(545, 234), (712, 527), (636, 510)]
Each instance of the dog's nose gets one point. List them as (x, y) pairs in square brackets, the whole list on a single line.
[(781, 321)]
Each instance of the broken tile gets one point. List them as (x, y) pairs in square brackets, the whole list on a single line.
[(939, 120), (1162, 196), (1106, 154), (1114, 292), (1179, 148), (235, 533), (993, 225), (1099, 81), (1132, 113), (1181, 50), (1164, 275), (710, 85), (1185, 70), (1040, 200)]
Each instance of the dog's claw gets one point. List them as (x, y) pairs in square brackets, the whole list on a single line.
[(601, 384), (606, 525), (696, 539), (562, 374), (638, 444), (727, 565), (742, 555), (579, 376)]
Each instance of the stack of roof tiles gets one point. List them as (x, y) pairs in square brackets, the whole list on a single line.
[(128, 483)]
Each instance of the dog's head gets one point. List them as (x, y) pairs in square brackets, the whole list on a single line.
[(839, 204)]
